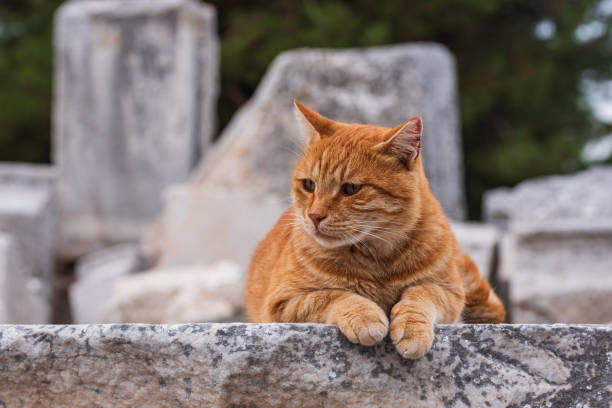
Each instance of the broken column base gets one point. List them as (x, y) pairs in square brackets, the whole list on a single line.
[(301, 365)]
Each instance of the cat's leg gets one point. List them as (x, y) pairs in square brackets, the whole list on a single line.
[(360, 319), (413, 317)]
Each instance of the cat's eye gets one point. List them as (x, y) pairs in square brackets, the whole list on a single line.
[(350, 188), (308, 185)]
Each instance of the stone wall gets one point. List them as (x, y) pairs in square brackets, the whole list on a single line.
[(241, 365)]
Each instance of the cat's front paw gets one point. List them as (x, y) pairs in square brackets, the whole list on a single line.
[(411, 338), (363, 323)]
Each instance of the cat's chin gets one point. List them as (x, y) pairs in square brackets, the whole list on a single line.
[(327, 241)]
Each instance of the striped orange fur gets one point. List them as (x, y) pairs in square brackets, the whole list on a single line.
[(365, 244)]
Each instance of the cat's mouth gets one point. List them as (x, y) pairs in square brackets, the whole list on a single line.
[(332, 239), (329, 241)]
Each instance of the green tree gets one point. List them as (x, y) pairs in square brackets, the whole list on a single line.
[(26, 68)]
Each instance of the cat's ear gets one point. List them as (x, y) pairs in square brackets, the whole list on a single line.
[(313, 125), (404, 141)]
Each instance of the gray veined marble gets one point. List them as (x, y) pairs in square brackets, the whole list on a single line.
[(301, 365)]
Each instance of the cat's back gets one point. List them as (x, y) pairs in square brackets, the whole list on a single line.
[(266, 256)]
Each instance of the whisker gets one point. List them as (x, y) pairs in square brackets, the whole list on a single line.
[(372, 235)]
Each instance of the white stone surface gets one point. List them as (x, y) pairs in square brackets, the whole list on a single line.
[(28, 213), (479, 241), (202, 226), (583, 195), (559, 271), (275, 365), (179, 295), (27, 223), (96, 275), (23, 297), (381, 85), (135, 91)]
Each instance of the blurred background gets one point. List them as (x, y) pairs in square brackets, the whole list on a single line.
[(532, 75), (120, 100)]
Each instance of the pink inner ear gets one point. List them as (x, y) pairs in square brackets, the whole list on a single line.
[(415, 127), (408, 139)]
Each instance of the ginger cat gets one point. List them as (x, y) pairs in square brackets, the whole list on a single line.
[(366, 245)]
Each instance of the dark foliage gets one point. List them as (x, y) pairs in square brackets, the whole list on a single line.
[(26, 70)]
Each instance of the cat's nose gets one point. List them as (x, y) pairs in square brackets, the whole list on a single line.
[(317, 217)]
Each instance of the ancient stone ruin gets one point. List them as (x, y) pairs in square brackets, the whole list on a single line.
[(136, 86), (125, 209), (301, 365)]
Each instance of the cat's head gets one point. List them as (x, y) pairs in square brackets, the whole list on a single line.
[(357, 183)]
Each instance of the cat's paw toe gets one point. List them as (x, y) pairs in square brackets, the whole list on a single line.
[(366, 329), (371, 333), (412, 340), (413, 348)]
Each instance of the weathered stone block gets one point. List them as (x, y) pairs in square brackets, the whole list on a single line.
[(28, 213), (559, 271), (125, 257), (585, 195), (96, 276), (179, 295), (201, 225), (479, 241), (273, 365), (23, 298), (482, 243), (136, 84), (13, 274), (382, 86)]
